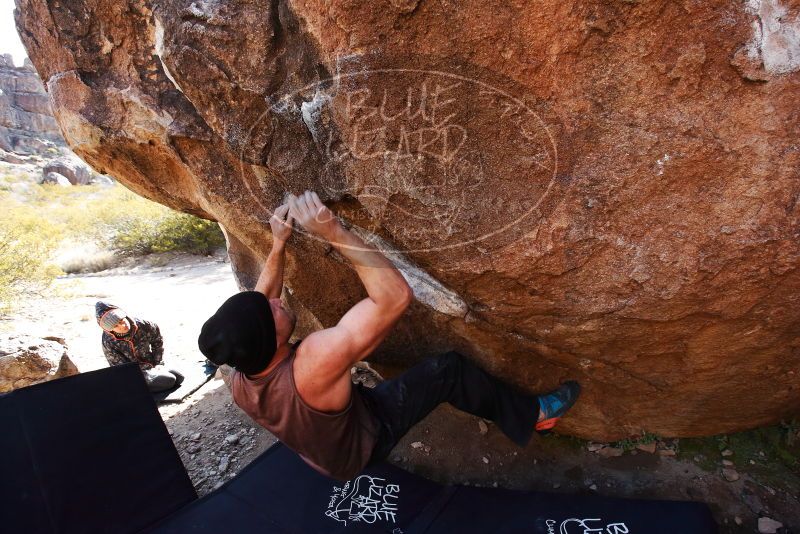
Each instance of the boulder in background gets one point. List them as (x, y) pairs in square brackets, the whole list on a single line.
[(73, 168), (27, 360)]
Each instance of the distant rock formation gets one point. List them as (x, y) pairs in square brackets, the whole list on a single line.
[(27, 125)]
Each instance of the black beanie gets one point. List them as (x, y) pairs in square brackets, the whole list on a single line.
[(241, 333)]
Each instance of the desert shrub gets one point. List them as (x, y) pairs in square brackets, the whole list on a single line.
[(85, 213), (84, 258), (90, 223), (181, 231), (119, 220), (26, 245), (171, 232)]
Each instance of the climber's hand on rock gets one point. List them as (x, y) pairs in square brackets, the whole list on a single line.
[(281, 223), (313, 215)]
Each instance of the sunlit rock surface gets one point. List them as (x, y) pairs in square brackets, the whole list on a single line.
[(27, 125), (605, 191), (27, 360)]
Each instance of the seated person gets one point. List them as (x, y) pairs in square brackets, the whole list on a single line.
[(128, 339)]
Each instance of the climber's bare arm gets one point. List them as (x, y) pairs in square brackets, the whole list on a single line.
[(270, 281), (324, 358)]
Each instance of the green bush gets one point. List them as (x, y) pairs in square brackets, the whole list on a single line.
[(171, 232), (122, 221)]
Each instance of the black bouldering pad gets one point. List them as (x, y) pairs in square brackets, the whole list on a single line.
[(87, 453), (279, 493), (90, 453), (496, 510)]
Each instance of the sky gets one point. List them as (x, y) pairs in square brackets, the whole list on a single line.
[(9, 38)]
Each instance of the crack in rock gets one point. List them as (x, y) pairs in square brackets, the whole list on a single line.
[(159, 48), (426, 288)]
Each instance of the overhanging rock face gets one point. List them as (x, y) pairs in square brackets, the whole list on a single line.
[(605, 191)]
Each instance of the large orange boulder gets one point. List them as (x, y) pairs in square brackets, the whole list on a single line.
[(599, 190)]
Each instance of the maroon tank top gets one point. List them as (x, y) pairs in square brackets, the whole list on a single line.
[(338, 445)]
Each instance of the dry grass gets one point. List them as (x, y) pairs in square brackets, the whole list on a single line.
[(46, 230)]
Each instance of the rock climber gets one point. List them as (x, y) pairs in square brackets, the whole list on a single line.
[(128, 339), (302, 392)]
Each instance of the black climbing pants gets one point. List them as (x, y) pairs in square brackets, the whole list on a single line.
[(402, 402)]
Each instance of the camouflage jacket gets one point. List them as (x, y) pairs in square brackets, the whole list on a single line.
[(142, 344)]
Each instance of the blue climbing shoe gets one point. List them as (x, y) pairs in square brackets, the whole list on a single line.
[(557, 403)]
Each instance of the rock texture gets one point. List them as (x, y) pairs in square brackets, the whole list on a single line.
[(70, 167), (54, 178), (27, 125), (606, 191), (26, 360)]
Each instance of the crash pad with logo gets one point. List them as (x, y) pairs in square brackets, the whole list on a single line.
[(90, 453), (279, 493)]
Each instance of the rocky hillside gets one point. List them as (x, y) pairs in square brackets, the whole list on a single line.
[(27, 125), (605, 191)]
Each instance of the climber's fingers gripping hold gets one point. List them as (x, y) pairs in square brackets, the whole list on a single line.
[(281, 223), (313, 215)]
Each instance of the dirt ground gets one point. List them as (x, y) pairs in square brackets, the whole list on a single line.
[(177, 291), (216, 440)]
